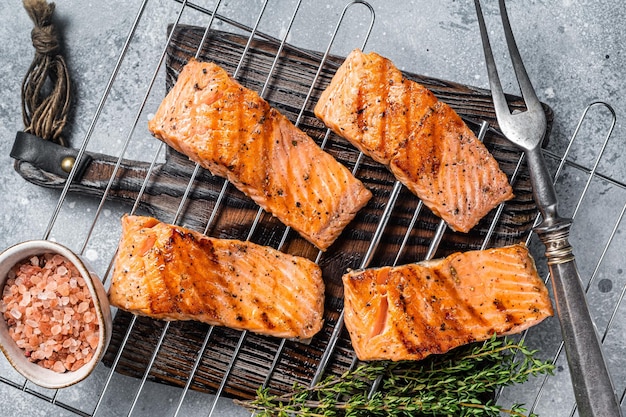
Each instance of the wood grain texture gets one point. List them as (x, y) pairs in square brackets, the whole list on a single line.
[(287, 90)]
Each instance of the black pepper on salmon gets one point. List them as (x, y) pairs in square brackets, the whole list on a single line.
[(411, 311), (231, 131), (427, 146), (169, 272)]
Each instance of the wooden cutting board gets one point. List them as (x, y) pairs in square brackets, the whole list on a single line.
[(287, 91)]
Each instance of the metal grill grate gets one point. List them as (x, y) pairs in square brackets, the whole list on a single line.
[(131, 380)]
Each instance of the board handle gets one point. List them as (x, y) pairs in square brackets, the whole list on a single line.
[(48, 164)]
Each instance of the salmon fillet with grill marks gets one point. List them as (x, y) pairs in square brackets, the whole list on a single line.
[(173, 273), (409, 312), (427, 146), (234, 133)]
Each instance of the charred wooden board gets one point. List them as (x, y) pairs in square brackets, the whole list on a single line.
[(287, 91)]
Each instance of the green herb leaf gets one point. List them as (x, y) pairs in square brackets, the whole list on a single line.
[(459, 383)]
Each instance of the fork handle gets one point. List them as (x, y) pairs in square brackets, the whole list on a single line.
[(593, 389), (543, 188)]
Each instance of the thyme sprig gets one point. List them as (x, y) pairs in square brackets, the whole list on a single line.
[(459, 383)]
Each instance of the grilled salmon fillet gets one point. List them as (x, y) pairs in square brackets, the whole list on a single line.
[(173, 273), (234, 133), (427, 146), (409, 312)]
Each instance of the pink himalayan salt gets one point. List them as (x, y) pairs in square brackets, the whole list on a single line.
[(50, 313)]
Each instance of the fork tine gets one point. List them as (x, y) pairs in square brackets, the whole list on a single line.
[(528, 92), (499, 101), (526, 87), (527, 128)]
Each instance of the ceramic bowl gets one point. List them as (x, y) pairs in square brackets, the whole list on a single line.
[(35, 373)]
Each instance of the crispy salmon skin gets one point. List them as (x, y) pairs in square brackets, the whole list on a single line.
[(173, 273), (412, 311), (426, 145), (234, 133)]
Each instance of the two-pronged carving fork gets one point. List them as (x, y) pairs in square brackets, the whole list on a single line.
[(594, 392)]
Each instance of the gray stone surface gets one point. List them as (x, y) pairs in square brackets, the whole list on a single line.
[(573, 53)]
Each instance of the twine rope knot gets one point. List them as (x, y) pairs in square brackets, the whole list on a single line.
[(45, 40), (46, 94)]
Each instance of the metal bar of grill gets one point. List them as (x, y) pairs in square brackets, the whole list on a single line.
[(253, 32), (536, 392)]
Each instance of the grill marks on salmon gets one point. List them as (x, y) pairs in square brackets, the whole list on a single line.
[(444, 164), (173, 273), (409, 312), (234, 133), (372, 105), (423, 141)]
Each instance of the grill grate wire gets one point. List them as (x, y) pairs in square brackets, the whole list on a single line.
[(536, 390)]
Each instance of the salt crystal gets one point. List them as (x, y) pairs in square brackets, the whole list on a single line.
[(61, 270), (16, 313), (38, 355), (58, 367), (56, 329), (35, 279), (25, 299), (64, 289), (77, 364), (88, 317), (82, 307), (31, 323), (48, 350), (93, 339)]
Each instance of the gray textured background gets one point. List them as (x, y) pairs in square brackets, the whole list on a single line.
[(573, 52)]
